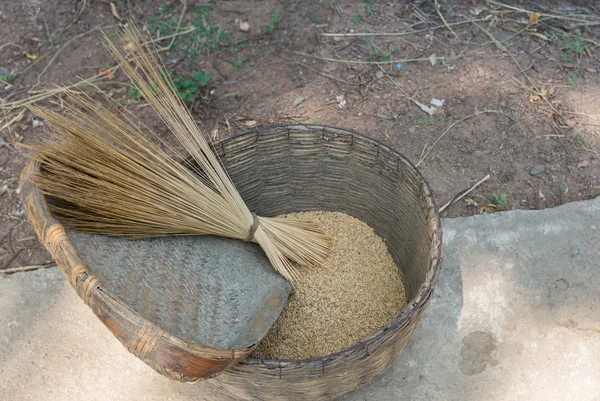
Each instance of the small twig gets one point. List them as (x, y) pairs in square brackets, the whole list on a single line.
[(402, 93), (416, 46), (48, 32), (11, 44), (396, 33), (437, 8), (174, 35), (177, 28), (15, 118), (61, 49), (2, 238), (44, 94), (326, 75), (365, 62), (464, 193), (503, 48), (73, 20), (10, 246), (9, 261), (27, 268), (428, 151), (553, 16), (530, 66), (26, 239)]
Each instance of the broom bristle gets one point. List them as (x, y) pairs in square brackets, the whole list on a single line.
[(107, 178)]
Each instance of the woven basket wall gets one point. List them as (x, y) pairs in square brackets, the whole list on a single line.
[(300, 168), (188, 306), (280, 170)]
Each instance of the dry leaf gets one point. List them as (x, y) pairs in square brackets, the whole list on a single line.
[(539, 36), (534, 98), (19, 117), (491, 208), (590, 70), (433, 59), (250, 123), (113, 10), (437, 102), (104, 72), (429, 110), (29, 56), (471, 202), (534, 18), (543, 94)]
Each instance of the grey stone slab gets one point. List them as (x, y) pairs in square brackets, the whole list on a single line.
[(515, 316), (199, 288)]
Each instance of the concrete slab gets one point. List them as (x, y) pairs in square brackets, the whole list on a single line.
[(515, 316)]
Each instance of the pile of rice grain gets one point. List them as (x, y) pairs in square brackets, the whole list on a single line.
[(333, 308)]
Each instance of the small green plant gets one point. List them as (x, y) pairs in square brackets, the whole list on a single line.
[(272, 23), (186, 88), (7, 76), (368, 7), (424, 121), (164, 11), (134, 94), (563, 189), (378, 55), (573, 77), (356, 18), (392, 119), (239, 63), (382, 55), (205, 36), (570, 45), (317, 122), (498, 199)]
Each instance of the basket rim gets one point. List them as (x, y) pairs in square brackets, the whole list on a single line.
[(230, 356), (423, 295), (169, 354)]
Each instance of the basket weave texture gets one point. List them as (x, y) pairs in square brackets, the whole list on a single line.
[(277, 170), (301, 168)]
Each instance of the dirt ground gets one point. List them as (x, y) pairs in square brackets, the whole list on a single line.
[(520, 85)]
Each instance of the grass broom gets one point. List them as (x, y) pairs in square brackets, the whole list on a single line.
[(108, 178)]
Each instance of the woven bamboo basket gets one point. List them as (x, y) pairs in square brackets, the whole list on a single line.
[(278, 170)]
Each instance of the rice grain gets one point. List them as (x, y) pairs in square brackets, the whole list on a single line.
[(359, 292)]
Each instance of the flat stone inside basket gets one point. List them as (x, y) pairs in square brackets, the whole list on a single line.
[(200, 288)]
